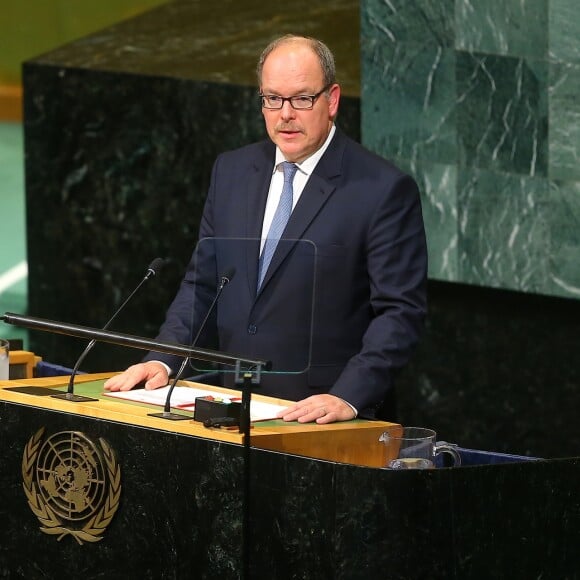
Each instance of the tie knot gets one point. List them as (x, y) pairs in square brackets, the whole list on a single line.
[(289, 171)]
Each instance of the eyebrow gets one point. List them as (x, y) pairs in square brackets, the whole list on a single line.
[(296, 94)]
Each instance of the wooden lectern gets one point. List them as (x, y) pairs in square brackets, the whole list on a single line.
[(154, 499), (159, 497)]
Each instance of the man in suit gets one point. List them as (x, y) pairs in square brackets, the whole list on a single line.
[(340, 306)]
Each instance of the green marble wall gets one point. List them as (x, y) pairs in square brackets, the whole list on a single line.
[(478, 100)]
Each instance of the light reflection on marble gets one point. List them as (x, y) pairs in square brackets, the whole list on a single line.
[(565, 238), (419, 84), (504, 230), (564, 30), (564, 139), (516, 28), (429, 24), (439, 199), (502, 113)]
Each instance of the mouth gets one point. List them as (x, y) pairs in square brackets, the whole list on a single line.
[(289, 132)]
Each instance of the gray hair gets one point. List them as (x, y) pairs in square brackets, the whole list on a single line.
[(324, 54)]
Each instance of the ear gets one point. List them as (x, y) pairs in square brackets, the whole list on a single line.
[(333, 100)]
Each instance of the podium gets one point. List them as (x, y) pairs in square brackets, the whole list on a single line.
[(174, 498), (173, 501)]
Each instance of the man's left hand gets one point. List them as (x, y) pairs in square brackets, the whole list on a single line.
[(320, 408)]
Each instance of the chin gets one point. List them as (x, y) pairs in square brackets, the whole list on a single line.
[(293, 154)]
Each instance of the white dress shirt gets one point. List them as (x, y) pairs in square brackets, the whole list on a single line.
[(305, 169)]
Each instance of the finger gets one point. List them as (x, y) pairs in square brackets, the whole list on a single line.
[(340, 412), (310, 413), (127, 379), (115, 383), (327, 418), (127, 384), (285, 412), (291, 413), (318, 414), (111, 384), (156, 381), (294, 413)]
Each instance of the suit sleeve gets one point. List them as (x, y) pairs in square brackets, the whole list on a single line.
[(397, 275)]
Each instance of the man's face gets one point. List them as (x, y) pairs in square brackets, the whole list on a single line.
[(293, 69)]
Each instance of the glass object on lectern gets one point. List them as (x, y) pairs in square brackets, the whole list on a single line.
[(4, 359), (416, 448), (272, 322)]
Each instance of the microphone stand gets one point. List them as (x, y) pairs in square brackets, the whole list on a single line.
[(70, 394), (166, 413), (246, 379)]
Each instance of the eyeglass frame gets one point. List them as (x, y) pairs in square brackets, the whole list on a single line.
[(313, 99)]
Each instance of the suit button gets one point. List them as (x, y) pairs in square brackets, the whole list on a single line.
[(252, 329)]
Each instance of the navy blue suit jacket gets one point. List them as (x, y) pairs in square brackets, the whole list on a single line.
[(344, 299)]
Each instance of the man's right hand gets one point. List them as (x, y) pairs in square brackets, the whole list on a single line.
[(154, 375)]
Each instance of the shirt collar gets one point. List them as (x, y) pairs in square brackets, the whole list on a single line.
[(307, 166)]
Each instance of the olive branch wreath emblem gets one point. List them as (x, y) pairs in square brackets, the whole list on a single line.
[(52, 524)]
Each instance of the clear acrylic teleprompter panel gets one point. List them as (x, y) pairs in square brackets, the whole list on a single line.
[(273, 323)]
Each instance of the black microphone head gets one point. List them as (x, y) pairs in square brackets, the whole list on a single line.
[(228, 275), (155, 266)]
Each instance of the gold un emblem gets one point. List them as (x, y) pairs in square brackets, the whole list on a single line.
[(72, 485)]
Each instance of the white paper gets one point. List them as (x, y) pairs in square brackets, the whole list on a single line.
[(184, 398)]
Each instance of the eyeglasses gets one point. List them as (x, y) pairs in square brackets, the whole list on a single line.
[(298, 102)]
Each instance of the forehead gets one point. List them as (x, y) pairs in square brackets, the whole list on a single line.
[(292, 66)]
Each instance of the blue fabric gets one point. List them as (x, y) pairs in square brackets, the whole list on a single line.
[(46, 369), (477, 457), (280, 219)]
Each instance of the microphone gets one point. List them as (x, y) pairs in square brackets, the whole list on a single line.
[(225, 279), (152, 271)]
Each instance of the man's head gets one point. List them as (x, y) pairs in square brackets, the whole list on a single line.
[(295, 66)]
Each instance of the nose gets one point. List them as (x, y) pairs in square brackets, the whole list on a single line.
[(287, 112)]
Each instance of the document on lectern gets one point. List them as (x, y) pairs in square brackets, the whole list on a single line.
[(184, 398)]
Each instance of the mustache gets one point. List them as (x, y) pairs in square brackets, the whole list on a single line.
[(288, 127)]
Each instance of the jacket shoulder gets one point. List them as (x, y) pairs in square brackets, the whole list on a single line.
[(357, 159), (256, 152)]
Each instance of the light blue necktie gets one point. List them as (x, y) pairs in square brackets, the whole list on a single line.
[(279, 221)]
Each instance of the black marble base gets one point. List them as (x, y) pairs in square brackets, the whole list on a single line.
[(180, 506), (497, 370), (180, 514)]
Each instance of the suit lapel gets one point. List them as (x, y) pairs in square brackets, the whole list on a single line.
[(258, 184), (318, 190)]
